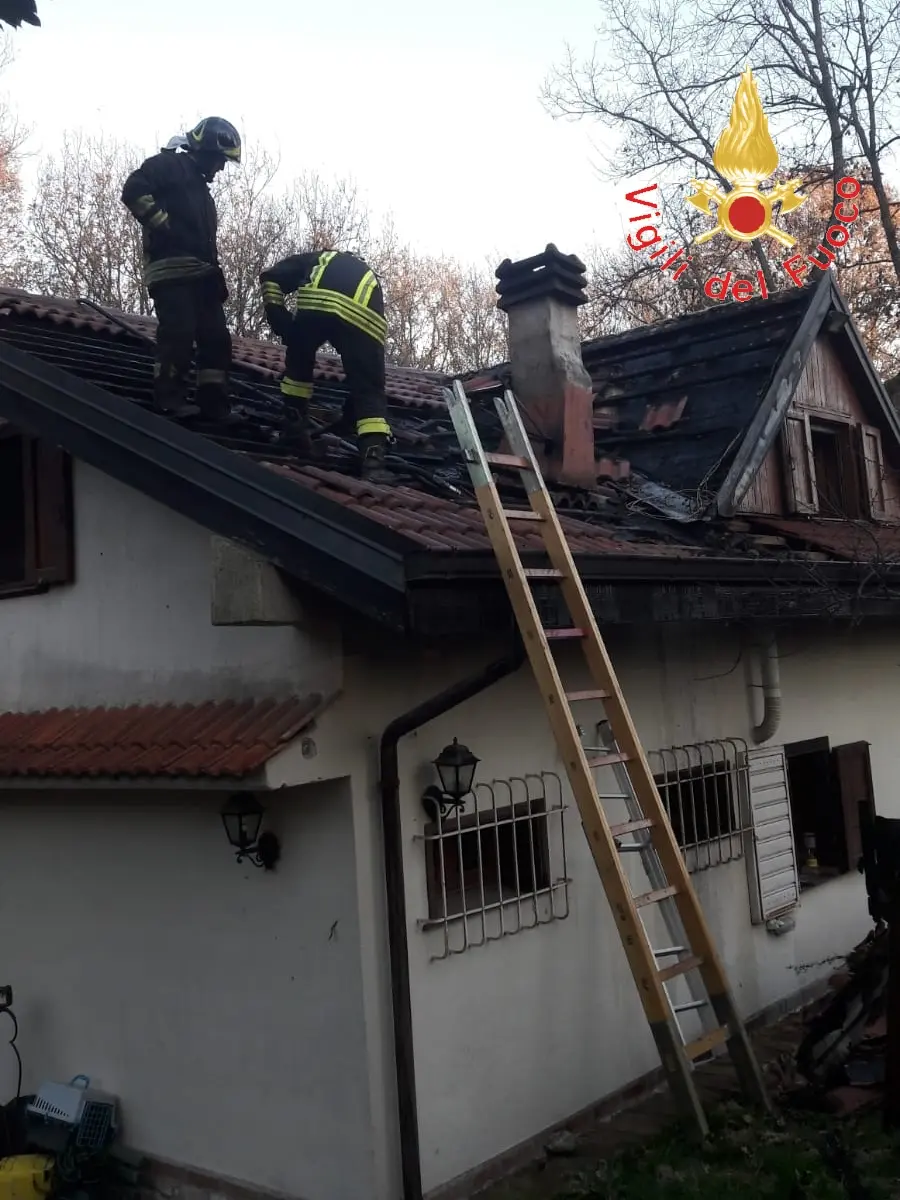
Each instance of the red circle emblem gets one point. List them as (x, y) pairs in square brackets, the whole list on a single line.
[(747, 214)]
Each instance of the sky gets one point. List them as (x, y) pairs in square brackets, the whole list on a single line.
[(433, 109)]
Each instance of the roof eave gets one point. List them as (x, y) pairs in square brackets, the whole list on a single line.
[(313, 539)]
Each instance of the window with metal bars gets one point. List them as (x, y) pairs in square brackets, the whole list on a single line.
[(498, 866), (704, 788)]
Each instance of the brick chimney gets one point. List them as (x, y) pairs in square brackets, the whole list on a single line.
[(541, 297)]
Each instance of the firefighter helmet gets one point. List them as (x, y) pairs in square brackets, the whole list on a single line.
[(214, 135)]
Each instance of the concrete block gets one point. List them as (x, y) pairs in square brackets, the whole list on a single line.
[(248, 590)]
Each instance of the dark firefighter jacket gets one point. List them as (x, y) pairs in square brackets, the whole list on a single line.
[(171, 199), (328, 281)]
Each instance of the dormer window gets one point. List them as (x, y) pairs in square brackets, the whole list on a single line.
[(833, 469)]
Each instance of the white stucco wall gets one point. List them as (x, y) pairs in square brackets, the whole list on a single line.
[(521, 1033), (135, 626), (212, 997), (165, 971)]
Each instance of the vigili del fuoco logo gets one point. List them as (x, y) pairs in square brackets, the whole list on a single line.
[(746, 156)]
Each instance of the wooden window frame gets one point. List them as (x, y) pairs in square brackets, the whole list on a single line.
[(871, 459), (48, 516), (801, 494)]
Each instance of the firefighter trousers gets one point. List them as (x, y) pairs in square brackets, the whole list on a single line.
[(363, 361), (190, 313)]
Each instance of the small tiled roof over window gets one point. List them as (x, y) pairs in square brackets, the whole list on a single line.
[(220, 739)]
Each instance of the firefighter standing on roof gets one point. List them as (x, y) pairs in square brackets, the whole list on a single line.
[(338, 300), (169, 195)]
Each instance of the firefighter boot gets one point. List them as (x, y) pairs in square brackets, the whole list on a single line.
[(170, 394), (212, 396), (295, 435), (372, 447)]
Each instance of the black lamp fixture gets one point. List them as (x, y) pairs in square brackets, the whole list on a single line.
[(242, 816), (456, 769)]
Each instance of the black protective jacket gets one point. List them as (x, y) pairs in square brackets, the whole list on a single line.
[(328, 282), (170, 197)]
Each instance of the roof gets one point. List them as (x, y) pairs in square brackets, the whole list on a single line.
[(688, 401), (674, 398), (220, 739), (431, 506)]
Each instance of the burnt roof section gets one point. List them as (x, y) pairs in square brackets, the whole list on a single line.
[(704, 375), (430, 507)]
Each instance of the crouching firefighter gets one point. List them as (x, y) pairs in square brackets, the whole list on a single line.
[(169, 195), (338, 300)]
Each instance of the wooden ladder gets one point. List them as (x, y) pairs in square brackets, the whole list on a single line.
[(693, 954)]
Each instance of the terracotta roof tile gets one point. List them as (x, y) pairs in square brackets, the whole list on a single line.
[(431, 505), (218, 739)]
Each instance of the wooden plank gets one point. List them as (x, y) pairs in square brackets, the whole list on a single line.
[(708, 1042), (691, 963), (508, 460), (542, 573), (606, 760), (563, 635), (588, 694), (519, 514), (630, 827), (654, 897)]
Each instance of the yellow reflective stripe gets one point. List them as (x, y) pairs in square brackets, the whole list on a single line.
[(366, 298), (143, 205), (293, 387), (324, 260), (158, 218), (334, 302), (372, 425), (272, 295), (361, 289)]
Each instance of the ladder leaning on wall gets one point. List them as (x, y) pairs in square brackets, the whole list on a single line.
[(693, 958)]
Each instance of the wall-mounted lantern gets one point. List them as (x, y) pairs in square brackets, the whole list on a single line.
[(242, 816), (456, 770)]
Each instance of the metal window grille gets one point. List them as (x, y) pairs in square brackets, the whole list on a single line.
[(705, 788), (500, 868)]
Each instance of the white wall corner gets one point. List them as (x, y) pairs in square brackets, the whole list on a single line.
[(321, 752), (248, 590)]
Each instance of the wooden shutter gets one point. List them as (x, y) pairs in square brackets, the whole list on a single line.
[(51, 475), (800, 472), (873, 470), (853, 771), (772, 865)]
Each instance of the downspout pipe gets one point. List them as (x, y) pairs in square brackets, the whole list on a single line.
[(401, 1001), (770, 675)]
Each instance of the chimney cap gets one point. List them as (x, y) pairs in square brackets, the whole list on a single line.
[(547, 275)]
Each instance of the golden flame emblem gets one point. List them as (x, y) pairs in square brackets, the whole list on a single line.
[(745, 155)]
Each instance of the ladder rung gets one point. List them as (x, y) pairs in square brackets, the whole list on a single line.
[(521, 514), (689, 1005), (631, 826), (680, 968), (608, 760), (508, 460), (653, 897), (590, 694), (665, 951), (708, 1042), (542, 573), (562, 635)]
